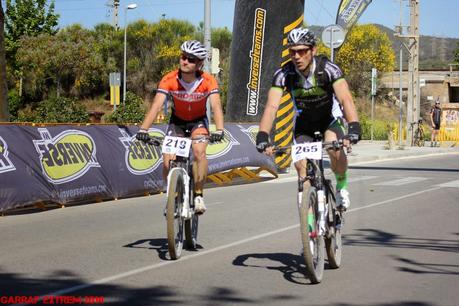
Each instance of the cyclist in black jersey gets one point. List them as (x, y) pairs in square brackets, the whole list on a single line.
[(320, 94), (435, 120)]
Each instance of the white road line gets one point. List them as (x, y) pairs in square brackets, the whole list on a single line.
[(449, 184), (361, 178), (281, 180), (403, 181), (294, 178), (217, 249)]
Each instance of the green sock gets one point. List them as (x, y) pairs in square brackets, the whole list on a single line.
[(341, 181), (311, 221)]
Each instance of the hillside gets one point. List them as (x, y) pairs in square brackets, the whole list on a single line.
[(435, 52)]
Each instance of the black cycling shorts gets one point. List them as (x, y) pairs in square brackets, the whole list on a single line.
[(304, 129), (436, 126), (182, 128)]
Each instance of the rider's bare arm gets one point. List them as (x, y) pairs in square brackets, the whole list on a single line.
[(217, 111), (344, 96), (274, 98), (157, 104)]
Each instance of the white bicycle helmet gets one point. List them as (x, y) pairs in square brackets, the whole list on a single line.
[(301, 36), (195, 48)]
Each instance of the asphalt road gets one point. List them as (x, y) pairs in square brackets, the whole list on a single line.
[(401, 246)]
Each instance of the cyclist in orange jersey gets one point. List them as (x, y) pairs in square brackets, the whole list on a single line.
[(189, 88)]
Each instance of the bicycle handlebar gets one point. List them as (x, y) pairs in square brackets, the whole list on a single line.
[(158, 140), (335, 145)]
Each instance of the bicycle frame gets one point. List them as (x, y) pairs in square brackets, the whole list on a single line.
[(320, 220), (183, 164)]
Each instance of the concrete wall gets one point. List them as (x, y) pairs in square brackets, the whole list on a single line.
[(437, 85)]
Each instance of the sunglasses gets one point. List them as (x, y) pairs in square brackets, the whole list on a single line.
[(190, 59), (300, 52)]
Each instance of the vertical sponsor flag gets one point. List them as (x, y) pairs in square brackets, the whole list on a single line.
[(256, 53), (349, 11)]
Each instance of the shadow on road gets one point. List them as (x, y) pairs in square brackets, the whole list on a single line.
[(291, 266), (417, 267), (18, 285), (68, 284), (377, 238), (159, 244)]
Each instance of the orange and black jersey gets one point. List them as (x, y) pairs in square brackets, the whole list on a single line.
[(189, 98)]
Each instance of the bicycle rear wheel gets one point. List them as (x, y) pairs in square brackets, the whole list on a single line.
[(191, 225), (417, 139), (175, 197), (422, 138), (313, 244), (333, 242)]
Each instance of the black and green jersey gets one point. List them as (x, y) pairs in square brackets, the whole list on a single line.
[(313, 94)]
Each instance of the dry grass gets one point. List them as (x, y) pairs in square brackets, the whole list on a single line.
[(384, 110)]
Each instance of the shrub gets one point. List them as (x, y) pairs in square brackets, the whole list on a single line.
[(55, 110), (380, 128), (132, 112), (15, 103)]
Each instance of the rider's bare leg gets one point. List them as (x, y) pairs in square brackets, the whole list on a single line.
[(338, 159), (166, 161), (200, 164)]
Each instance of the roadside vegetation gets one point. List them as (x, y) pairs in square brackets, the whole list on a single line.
[(50, 70)]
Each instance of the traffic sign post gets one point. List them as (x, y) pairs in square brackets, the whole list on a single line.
[(333, 37), (374, 76), (115, 83)]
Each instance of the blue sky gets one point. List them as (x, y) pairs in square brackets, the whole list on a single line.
[(437, 17)]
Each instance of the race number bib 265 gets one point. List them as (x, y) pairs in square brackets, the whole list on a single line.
[(309, 150)]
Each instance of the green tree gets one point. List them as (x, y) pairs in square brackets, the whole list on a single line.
[(27, 18), (221, 39), (153, 50), (70, 63), (456, 54), (365, 47), (3, 85)]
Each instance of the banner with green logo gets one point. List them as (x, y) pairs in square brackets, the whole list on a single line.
[(63, 164)]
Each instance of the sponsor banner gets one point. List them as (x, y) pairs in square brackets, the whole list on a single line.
[(63, 164), (256, 53), (349, 11)]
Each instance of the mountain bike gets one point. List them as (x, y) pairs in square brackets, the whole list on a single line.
[(320, 220), (418, 134), (182, 221)]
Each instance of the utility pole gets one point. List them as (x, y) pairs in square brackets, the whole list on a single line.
[(207, 37), (207, 44), (414, 59), (413, 103), (116, 4)]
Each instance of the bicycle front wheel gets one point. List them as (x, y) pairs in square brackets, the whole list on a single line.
[(333, 242), (313, 243), (175, 198)]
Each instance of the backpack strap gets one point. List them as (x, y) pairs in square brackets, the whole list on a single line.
[(320, 74)]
